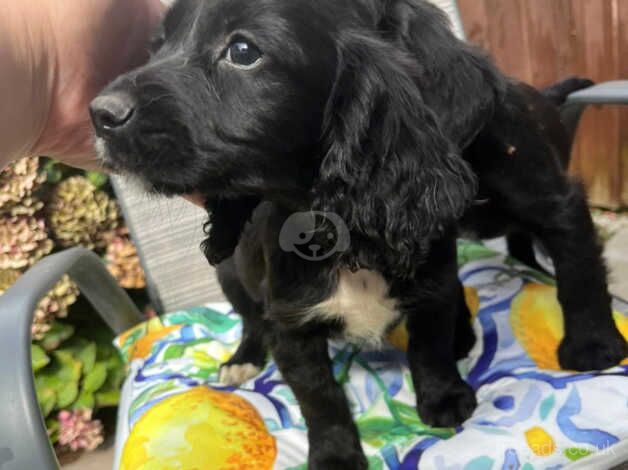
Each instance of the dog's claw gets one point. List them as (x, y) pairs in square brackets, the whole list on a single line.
[(585, 354)]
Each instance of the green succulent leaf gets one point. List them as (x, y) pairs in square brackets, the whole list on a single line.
[(47, 398), (107, 398), (96, 178), (39, 359), (57, 383), (84, 400), (52, 425), (58, 333), (67, 395), (83, 351), (95, 379), (69, 370), (54, 171)]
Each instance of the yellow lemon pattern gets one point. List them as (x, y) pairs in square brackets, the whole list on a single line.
[(200, 429), (537, 323), (540, 442), (176, 415)]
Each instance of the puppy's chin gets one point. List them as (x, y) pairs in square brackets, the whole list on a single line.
[(102, 153), (113, 165), (105, 156)]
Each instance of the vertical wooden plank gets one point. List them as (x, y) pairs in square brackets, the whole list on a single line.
[(596, 160), (541, 41), (566, 38), (476, 22), (506, 35), (580, 152), (622, 72)]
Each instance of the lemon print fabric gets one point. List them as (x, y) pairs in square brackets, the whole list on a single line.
[(200, 429), (537, 323), (174, 414)]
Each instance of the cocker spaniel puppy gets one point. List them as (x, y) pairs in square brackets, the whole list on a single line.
[(341, 146)]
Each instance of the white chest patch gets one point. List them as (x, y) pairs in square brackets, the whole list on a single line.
[(362, 303)]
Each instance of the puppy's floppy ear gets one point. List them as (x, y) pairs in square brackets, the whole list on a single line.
[(227, 218), (389, 171), (458, 81)]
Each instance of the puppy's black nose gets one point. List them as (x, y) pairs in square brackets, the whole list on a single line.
[(112, 111)]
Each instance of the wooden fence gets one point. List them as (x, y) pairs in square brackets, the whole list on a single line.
[(542, 41)]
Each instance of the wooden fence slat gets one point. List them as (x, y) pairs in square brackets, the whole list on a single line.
[(598, 135), (622, 71), (565, 34), (540, 41), (506, 36), (475, 20)]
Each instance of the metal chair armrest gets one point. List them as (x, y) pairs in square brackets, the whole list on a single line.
[(614, 92), (24, 441), (607, 93)]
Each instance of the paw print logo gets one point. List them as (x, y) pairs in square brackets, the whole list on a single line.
[(315, 235)]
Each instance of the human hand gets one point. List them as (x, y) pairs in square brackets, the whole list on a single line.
[(93, 42)]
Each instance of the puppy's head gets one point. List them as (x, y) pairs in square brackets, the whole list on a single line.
[(230, 103), (336, 103)]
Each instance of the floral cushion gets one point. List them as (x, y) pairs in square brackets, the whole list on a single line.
[(174, 414)]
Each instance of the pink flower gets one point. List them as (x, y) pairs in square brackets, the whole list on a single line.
[(78, 431)]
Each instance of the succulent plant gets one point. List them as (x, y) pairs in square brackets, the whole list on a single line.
[(54, 305), (23, 241), (8, 278), (81, 214), (123, 262), (28, 206), (78, 431), (18, 181), (77, 370), (73, 372)]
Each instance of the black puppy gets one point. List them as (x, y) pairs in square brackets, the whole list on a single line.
[(358, 136)]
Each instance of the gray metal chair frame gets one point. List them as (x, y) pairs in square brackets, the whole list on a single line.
[(24, 443)]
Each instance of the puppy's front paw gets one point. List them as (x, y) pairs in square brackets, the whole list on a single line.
[(597, 353), (237, 374), (344, 460), (448, 408)]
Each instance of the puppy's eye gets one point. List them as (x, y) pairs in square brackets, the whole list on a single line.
[(243, 54)]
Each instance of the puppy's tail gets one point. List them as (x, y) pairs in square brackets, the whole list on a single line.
[(558, 92)]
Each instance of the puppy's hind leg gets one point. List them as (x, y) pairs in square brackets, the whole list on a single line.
[(250, 356)]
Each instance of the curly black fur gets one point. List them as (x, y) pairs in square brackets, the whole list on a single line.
[(381, 134), (372, 110)]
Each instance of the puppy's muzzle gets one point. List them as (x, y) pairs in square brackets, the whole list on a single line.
[(112, 113)]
